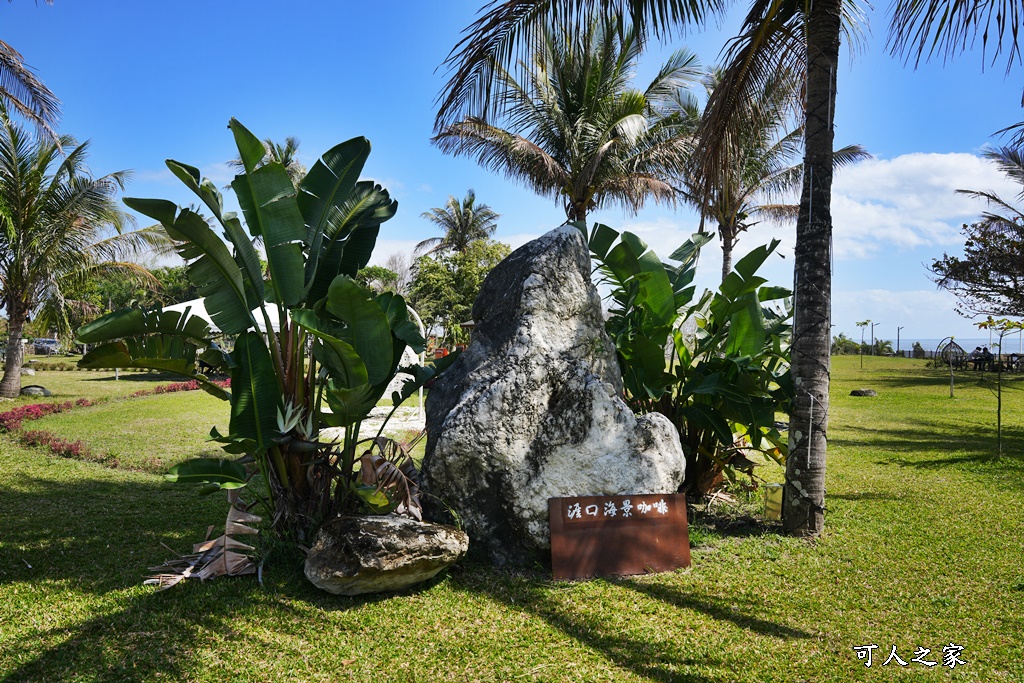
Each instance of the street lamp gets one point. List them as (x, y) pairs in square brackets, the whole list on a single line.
[(862, 325), (898, 339), (873, 337)]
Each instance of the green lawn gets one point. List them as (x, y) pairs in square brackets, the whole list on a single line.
[(923, 547)]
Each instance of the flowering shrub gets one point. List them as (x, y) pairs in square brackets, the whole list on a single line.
[(11, 420), (174, 387), (59, 446)]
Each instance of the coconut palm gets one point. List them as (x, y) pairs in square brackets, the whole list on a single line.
[(576, 130), (287, 155), (59, 226), (462, 223), (757, 174), (774, 36), (23, 92)]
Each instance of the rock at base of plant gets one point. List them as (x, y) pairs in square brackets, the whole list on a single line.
[(533, 409), (35, 390), (28, 372), (863, 392), (354, 554)]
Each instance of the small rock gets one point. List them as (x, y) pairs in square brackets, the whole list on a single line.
[(355, 554), (35, 390), (863, 392), (27, 371)]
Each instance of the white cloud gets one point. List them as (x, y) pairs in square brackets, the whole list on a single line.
[(908, 201)]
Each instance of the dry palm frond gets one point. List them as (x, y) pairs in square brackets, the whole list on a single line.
[(221, 556), (393, 473)]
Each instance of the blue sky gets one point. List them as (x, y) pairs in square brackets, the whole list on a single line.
[(147, 81)]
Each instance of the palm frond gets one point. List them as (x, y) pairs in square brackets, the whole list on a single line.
[(924, 28), (507, 32)]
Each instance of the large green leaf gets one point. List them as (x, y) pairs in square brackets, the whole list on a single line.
[(327, 186), (250, 148), (134, 321), (421, 375), (746, 330), (245, 254), (267, 197), (338, 356), (203, 188), (348, 405), (402, 327), (256, 396), (349, 237), (225, 474), (367, 325), (690, 249), (601, 240), (212, 269)]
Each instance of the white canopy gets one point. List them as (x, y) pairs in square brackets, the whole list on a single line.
[(199, 308)]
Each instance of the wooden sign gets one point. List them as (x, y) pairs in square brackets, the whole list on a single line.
[(618, 535)]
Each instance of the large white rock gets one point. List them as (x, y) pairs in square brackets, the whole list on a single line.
[(533, 409), (355, 554)]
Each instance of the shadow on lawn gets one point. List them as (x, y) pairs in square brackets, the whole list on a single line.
[(69, 540), (656, 655)]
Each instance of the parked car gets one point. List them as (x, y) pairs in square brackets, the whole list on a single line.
[(46, 347)]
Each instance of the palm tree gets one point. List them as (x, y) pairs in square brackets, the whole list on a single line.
[(576, 130), (462, 223), (287, 155), (757, 172), (775, 36), (23, 92), (56, 223)]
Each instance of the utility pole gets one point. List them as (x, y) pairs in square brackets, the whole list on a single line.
[(898, 339), (873, 337)]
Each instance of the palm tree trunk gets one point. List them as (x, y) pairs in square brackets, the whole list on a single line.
[(728, 242), (804, 502), (10, 385)]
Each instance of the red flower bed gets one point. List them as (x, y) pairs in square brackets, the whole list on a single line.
[(11, 420), (59, 446), (191, 385)]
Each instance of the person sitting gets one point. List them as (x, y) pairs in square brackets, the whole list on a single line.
[(974, 358), (986, 359)]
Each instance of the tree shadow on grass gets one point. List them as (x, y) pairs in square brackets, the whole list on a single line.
[(931, 436), (82, 543), (865, 495), (655, 655)]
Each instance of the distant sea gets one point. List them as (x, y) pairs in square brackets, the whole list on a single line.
[(1011, 343)]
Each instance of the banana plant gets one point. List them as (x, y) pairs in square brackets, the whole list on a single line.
[(334, 352), (722, 385)]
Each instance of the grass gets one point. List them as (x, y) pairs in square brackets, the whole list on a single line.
[(148, 434), (923, 547)]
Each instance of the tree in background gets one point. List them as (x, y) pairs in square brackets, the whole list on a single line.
[(462, 223), (445, 285), (844, 346), (398, 263), (61, 227), (989, 278), (287, 155), (758, 174), (576, 130), (378, 279), (107, 292)]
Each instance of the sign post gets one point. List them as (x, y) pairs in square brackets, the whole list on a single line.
[(618, 535)]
